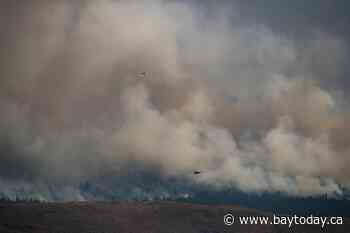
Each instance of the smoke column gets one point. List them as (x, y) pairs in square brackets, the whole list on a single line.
[(251, 106)]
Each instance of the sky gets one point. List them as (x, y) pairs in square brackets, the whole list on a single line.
[(253, 94)]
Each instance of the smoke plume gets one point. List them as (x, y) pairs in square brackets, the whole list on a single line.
[(250, 106)]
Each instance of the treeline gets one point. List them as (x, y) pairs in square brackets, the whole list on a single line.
[(19, 200)]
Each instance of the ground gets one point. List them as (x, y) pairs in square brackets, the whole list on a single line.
[(135, 217)]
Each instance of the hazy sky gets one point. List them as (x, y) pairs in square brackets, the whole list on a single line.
[(252, 93)]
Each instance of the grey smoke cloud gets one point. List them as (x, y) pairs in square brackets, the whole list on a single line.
[(73, 109)]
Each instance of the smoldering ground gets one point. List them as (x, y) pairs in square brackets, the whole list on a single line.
[(247, 104)]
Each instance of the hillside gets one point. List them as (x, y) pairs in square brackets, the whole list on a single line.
[(134, 217)]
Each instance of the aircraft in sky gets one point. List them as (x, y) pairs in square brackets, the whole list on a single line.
[(141, 75)]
